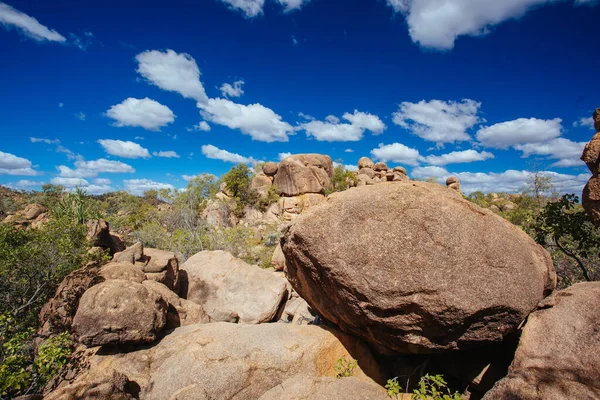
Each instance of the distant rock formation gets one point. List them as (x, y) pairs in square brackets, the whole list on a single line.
[(591, 156), (453, 183)]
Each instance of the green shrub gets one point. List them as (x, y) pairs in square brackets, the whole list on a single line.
[(345, 368), (341, 180), (76, 206), (15, 357), (52, 356), (393, 388), (434, 387), (272, 196), (239, 180)]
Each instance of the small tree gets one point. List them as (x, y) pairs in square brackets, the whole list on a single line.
[(238, 180), (563, 224), (341, 180)]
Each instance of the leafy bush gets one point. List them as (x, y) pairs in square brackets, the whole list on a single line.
[(345, 368), (52, 356), (393, 388), (15, 357), (76, 206), (434, 387), (341, 180)]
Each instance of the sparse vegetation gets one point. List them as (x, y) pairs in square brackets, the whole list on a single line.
[(393, 388), (342, 180), (434, 387), (345, 368)]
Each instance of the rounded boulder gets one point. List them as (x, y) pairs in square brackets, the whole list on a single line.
[(432, 273)]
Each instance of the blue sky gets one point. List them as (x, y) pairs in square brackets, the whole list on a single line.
[(137, 95)]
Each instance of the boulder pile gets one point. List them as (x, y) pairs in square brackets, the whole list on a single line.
[(591, 157), (370, 173)]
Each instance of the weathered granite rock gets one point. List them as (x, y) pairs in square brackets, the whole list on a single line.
[(303, 173)]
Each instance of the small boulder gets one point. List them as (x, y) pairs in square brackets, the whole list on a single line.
[(558, 355), (303, 173), (366, 162), (261, 183), (453, 183), (399, 169), (119, 312), (115, 387), (270, 168), (181, 312), (226, 286), (368, 172), (32, 211), (380, 166), (131, 254), (125, 271), (278, 259)]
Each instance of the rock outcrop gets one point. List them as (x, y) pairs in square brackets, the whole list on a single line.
[(99, 235), (114, 387), (122, 270), (161, 266), (558, 355), (326, 388), (416, 268), (231, 290), (119, 312), (591, 156), (453, 183), (231, 361), (303, 173)]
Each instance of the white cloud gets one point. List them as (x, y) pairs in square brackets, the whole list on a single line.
[(98, 189), (175, 72), (398, 153), (91, 169), (250, 8), (29, 26), (291, 5), (568, 163), (519, 131), (14, 165), (215, 153), (147, 113), (348, 151), (102, 181), (438, 23), (438, 121), (588, 122), (24, 184), (69, 182), (556, 148), (80, 116), (202, 126), (123, 149), (347, 167), (456, 157), (429, 172), (331, 130), (235, 90), (166, 154), (281, 156), (260, 122), (43, 140), (61, 105), (139, 186)]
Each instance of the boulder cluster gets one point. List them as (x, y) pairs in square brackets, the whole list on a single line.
[(591, 157), (34, 215), (383, 280)]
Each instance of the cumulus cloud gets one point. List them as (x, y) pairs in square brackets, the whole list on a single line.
[(80, 116), (456, 157), (235, 90), (29, 26), (123, 149), (332, 130), (398, 153), (69, 182), (347, 167), (166, 154), (520, 131), (437, 24), (429, 172), (249, 8), (256, 120), (91, 169), (24, 184), (215, 153), (201, 126), (585, 122), (139, 186), (291, 5), (175, 72), (14, 165), (281, 156), (146, 113), (439, 121)]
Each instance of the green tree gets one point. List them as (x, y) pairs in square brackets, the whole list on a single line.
[(238, 181), (565, 226), (341, 180)]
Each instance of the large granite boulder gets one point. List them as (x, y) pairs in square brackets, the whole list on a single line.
[(326, 388), (119, 312), (231, 290), (32, 211), (115, 387), (131, 254), (416, 268), (181, 312), (559, 352), (591, 156), (125, 271), (161, 266), (303, 173), (261, 183), (231, 361)]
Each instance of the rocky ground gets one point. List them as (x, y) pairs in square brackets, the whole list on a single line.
[(391, 279)]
